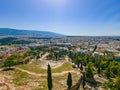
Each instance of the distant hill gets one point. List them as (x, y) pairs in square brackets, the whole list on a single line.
[(30, 33)]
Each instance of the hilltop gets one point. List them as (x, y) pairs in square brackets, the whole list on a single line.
[(31, 33)]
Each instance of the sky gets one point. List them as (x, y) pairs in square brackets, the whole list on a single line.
[(68, 17)]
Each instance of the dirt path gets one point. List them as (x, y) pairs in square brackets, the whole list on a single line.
[(31, 61), (44, 56), (54, 64), (54, 74), (99, 79)]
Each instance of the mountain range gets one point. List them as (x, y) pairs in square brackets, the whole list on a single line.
[(30, 33)]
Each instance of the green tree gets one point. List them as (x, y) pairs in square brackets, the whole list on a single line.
[(56, 55), (99, 70), (95, 48), (89, 72), (81, 67), (117, 83), (9, 63), (87, 59), (108, 72), (49, 77), (78, 63), (83, 82), (69, 80)]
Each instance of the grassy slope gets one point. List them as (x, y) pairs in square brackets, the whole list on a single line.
[(35, 68), (21, 79)]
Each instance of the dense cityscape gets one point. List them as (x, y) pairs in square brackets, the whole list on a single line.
[(86, 62)]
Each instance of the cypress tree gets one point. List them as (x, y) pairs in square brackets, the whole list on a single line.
[(49, 77), (99, 70), (81, 67), (89, 72), (69, 80), (83, 78)]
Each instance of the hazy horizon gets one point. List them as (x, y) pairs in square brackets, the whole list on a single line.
[(68, 17)]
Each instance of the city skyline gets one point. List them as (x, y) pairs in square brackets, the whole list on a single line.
[(69, 17)]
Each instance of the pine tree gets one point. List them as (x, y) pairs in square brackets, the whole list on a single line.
[(69, 81), (49, 77)]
